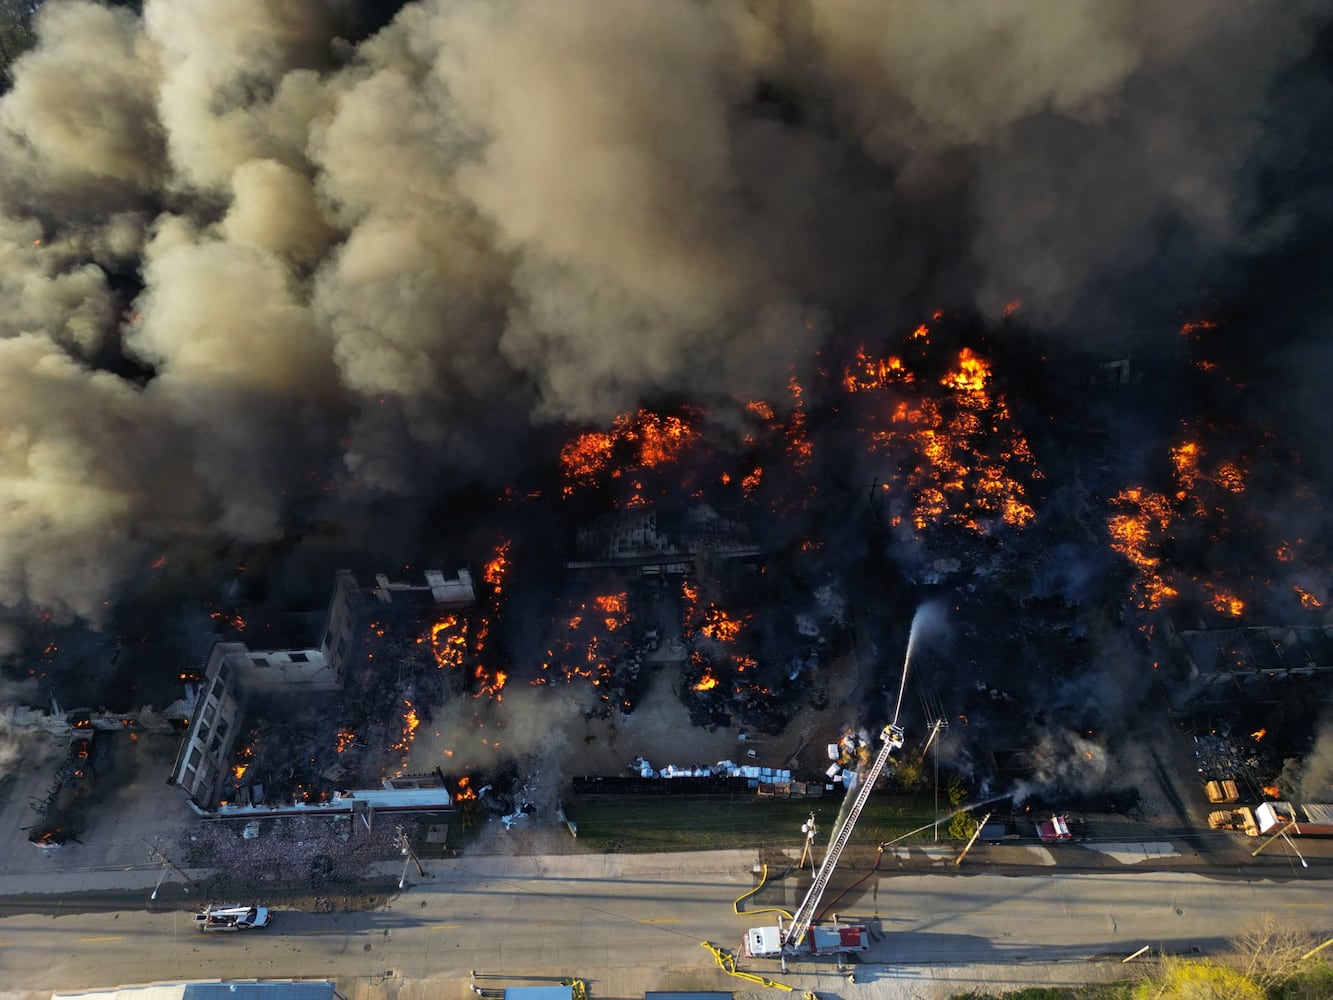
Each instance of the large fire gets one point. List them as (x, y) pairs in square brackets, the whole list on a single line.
[(638, 441), (588, 643), (465, 792), (448, 642), (951, 458), (411, 722)]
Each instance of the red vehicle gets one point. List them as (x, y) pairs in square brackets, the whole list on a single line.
[(1053, 829)]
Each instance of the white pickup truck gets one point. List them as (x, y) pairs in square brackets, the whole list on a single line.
[(232, 918)]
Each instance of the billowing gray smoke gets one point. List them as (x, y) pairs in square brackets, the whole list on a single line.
[(252, 257)]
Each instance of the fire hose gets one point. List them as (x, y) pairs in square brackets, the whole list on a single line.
[(879, 854), (763, 880), (726, 961)]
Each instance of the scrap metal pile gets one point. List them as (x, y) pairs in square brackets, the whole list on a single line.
[(318, 853), (1223, 756)]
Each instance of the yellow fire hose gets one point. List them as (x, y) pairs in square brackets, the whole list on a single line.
[(763, 879), (726, 961)]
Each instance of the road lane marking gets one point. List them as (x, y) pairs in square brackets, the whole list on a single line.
[(92, 939), (444, 927)]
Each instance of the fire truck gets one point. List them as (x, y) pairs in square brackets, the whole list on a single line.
[(231, 917), (801, 936)]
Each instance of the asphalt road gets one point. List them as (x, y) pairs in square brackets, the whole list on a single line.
[(634, 924)]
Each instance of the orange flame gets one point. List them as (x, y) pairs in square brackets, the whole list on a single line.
[(411, 721), (1259, 734), (1228, 604), (961, 459), (646, 439), (1135, 533), (1308, 600), (495, 571), (707, 682), (448, 641)]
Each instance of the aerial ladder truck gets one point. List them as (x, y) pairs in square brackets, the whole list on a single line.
[(801, 936)]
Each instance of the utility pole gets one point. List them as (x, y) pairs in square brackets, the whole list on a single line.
[(810, 830), (975, 834), (1281, 830), (156, 854), (935, 728), (406, 846)]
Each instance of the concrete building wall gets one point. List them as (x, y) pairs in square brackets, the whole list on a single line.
[(211, 736), (284, 670)]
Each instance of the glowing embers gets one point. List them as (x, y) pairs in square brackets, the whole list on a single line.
[(589, 642), (244, 757), (1200, 497), (637, 441), (411, 721), (798, 447), (490, 679), (716, 624), (1136, 533), (1187, 462), (1224, 602), (955, 455), (227, 620), (465, 792), (448, 642), (1308, 600), (971, 375), (497, 568), (713, 636), (866, 373)]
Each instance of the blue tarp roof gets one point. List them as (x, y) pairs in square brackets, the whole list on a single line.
[(539, 993), (282, 990), (248, 989)]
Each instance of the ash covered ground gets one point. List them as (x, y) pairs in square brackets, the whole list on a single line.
[(823, 319)]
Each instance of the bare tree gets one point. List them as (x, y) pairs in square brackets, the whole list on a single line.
[(1269, 949)]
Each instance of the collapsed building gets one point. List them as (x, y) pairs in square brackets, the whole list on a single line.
[(1229, 662), (235, 674)]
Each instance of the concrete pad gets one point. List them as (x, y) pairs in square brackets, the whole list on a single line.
[(1132, 854)]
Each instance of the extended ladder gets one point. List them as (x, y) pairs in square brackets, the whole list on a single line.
[(805, 915)]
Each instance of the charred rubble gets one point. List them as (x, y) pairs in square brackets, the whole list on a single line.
[(761, 553)]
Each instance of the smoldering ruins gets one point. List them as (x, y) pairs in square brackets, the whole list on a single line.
[(708, 341)]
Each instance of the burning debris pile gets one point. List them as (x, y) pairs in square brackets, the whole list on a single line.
[(57, 812), (1224, 756)]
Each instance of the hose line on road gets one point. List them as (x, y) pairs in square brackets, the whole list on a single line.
[(763, 880), (726, 961), (834, 902)]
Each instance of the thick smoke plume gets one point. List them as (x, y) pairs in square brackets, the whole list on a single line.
[(275, 262)]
